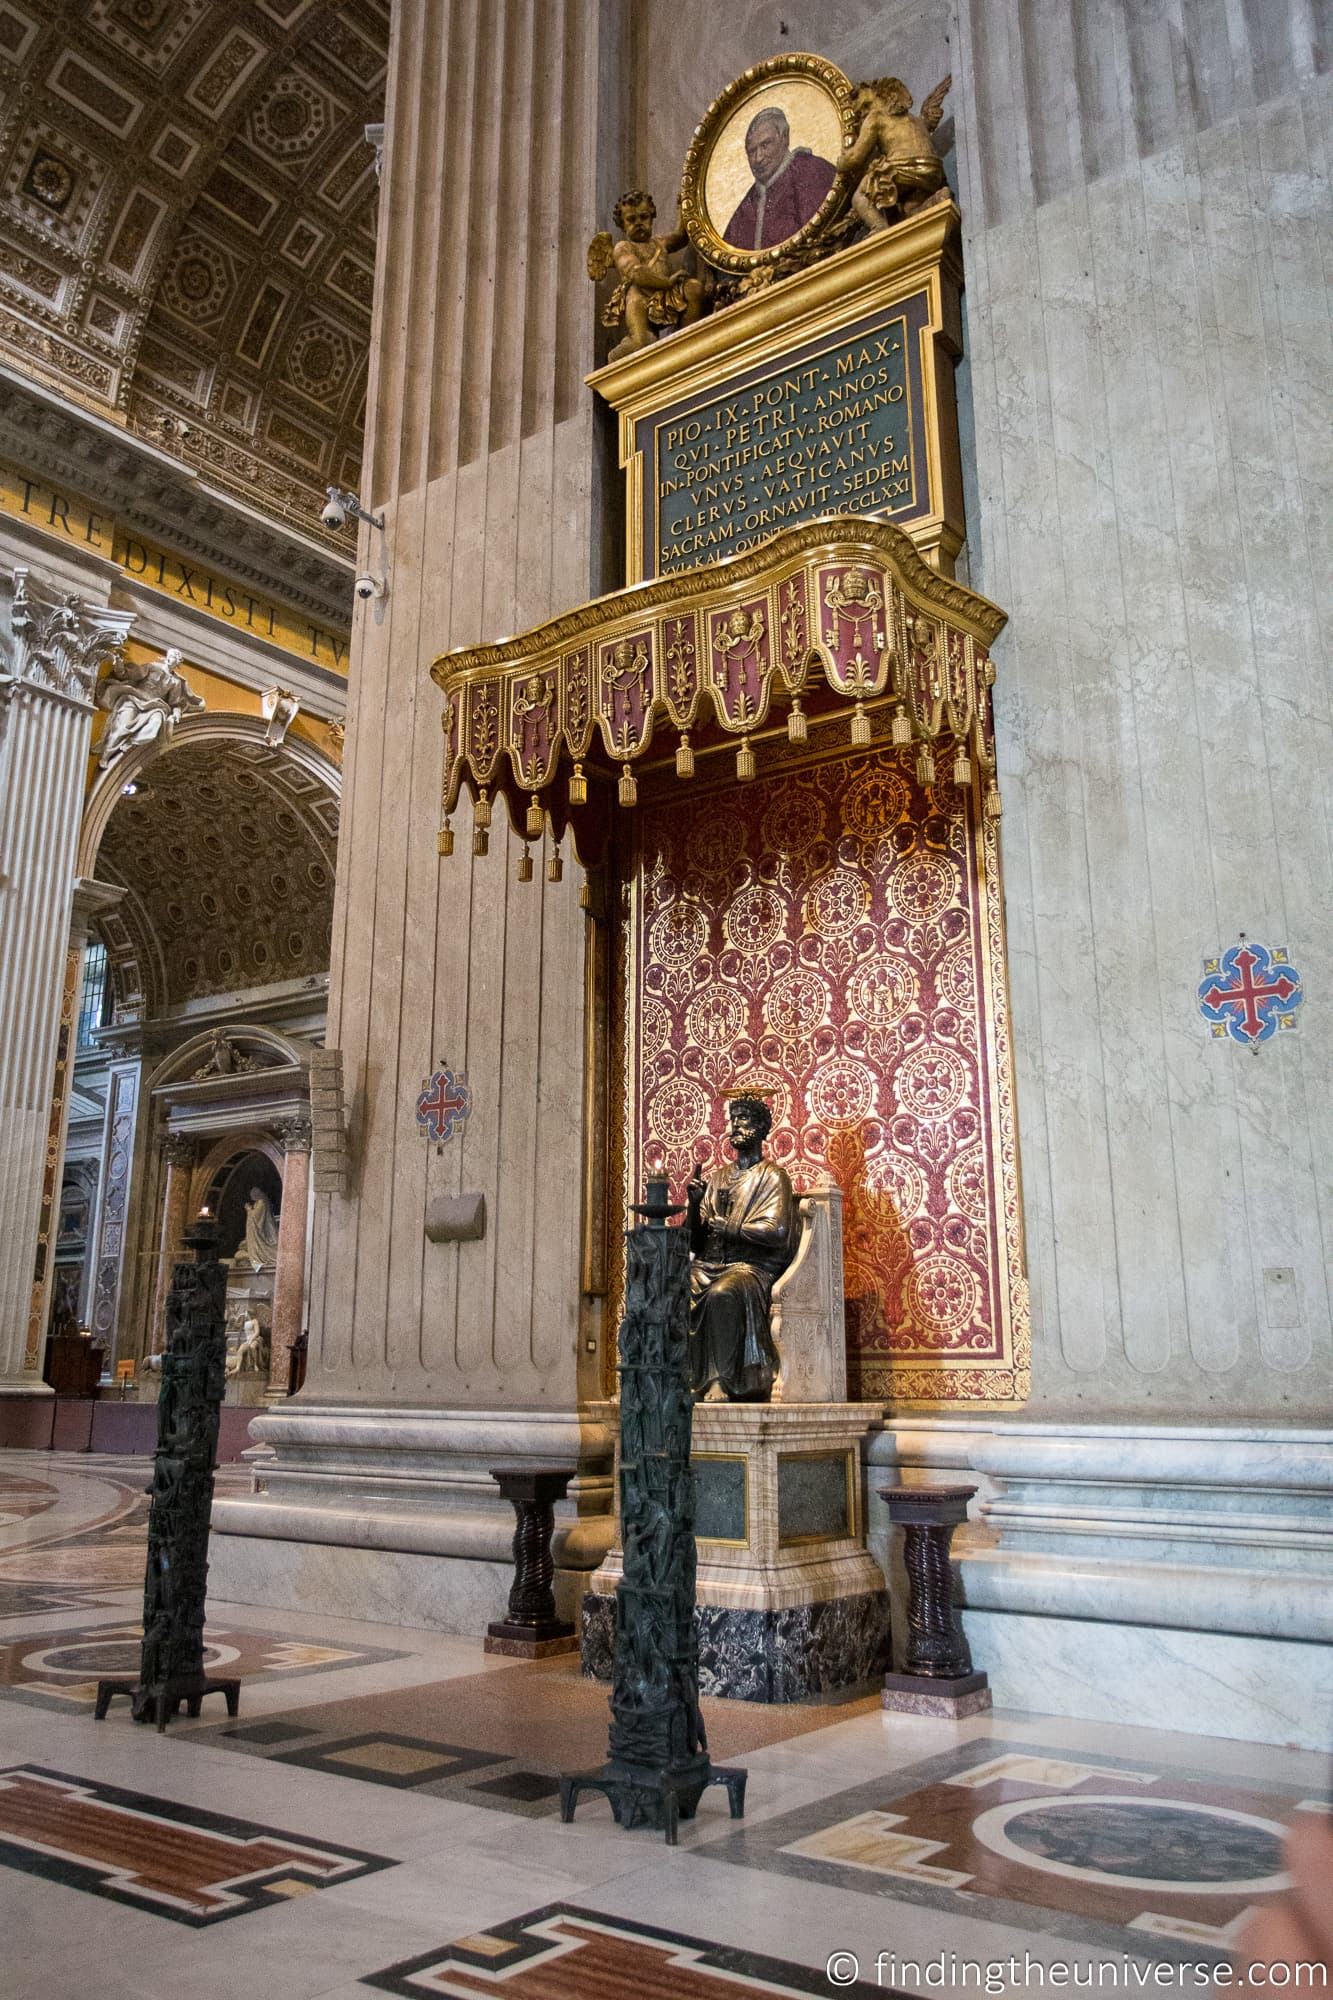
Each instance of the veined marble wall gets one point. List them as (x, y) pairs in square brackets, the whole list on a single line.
[(1145, 200), (482, 451)]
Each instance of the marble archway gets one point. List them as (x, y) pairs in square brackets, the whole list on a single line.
[(221, 851), (206, 1123)]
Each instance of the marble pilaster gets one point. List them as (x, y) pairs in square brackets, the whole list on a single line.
[(483, 456), (289, 1277), (49, 659)]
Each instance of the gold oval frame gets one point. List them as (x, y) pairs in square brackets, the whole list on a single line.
[(703, 232)]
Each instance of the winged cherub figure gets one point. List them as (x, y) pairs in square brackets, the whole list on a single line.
[(649, 293), (894, 152)]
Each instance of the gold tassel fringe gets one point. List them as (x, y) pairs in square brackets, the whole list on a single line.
[(962, 768), (629, 790), (994, 803), (525, 865), (555, 866), (536, 819), (860, 726), (902, 727), (797, 728), (684, 758), (925, 765), (745, 766), (444, 840), (481, 812), (481, 839), (578, 787)]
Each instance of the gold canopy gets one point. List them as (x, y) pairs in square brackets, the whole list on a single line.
[(837, 622)]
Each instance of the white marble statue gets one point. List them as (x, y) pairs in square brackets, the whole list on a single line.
[(260, 1248), (250, 1355), (145, 701)]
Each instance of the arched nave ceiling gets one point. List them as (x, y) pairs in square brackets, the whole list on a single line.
[(187, 225), (226, 854)]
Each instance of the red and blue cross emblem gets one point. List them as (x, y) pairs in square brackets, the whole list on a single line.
[(1250, 992), (444, 1103)]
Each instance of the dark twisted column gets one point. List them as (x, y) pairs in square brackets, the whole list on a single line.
[(657, 1767), (531, 1629), (937, 1673), (171, 1662)]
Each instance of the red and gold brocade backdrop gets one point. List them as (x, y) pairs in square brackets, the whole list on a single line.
[(833, 935)]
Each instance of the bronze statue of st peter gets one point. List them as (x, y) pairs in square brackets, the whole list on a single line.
[(741, 1222)]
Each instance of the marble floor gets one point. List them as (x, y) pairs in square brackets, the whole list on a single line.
[(382, 1817)]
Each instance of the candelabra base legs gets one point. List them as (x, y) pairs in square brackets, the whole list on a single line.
[(654, 1798), (159, 1704)]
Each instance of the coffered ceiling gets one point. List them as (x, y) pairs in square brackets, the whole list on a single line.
[(226, 854), (187, 226)]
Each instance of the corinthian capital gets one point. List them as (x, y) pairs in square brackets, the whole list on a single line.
[(58, 642), (293, 1135)]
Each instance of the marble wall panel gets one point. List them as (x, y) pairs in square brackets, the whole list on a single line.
[(1148, 345)]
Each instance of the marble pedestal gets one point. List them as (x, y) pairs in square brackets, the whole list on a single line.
[(790, 1604)]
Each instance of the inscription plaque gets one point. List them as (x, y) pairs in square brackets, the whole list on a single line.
[(835, 427)]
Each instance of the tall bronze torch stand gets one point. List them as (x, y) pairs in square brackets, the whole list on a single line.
[(171, 1663), (657, 1766)]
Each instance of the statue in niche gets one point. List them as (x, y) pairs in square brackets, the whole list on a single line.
[(893, 153), (260, 1247), (742, 1230), (145, 701), (650, 294)]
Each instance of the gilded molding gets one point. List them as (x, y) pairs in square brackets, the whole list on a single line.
[(840, 616)]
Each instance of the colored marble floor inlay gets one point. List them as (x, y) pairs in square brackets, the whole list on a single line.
[(1103, 1850), (60, 1669), (498, 1739), (68, 1541), (176, 1861), (567, 1953)]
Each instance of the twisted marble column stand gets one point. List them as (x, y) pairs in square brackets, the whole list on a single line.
[(531, 1630), (938, 1677)]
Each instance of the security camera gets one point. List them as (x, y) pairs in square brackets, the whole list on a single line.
[(370, 586), (340, 504)]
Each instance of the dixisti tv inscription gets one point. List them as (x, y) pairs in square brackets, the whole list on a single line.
[(828, 435)]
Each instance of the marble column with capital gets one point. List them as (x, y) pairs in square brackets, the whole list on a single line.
[(504, 135), (289, 1276), (51, 648), (179, 1153)]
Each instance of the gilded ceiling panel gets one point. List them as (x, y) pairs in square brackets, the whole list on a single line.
[(187, 225), (227, 852)]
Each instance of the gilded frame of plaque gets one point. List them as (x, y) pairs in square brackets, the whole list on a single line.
[(818, 102)]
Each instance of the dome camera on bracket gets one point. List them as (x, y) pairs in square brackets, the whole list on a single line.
[(341, 505)]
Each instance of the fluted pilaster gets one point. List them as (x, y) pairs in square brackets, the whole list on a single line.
[(482, 454), (49, 660)]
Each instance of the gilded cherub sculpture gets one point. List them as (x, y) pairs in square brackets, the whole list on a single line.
[(893, 153), (649, 293)]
